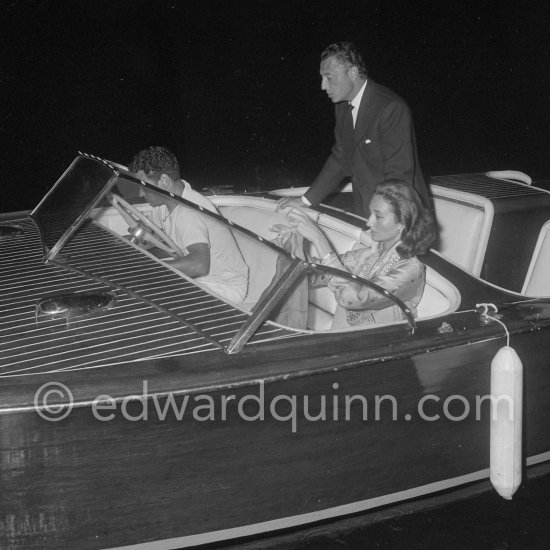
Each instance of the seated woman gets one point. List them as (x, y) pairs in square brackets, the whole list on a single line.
[(401, 228)]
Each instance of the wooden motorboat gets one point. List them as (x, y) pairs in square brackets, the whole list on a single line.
[(140, 410)]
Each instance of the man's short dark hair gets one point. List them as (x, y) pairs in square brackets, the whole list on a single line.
[(155, 161), (347, 54)]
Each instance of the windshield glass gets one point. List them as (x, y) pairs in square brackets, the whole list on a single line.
[(78, 190)]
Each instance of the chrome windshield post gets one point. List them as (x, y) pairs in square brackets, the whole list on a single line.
[(269, 301)]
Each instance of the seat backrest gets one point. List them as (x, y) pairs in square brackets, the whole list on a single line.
[(260, 259), (464, 222), (440, 296), (537, 280), (261, 262)]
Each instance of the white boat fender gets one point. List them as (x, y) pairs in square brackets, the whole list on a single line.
[(506, 417)]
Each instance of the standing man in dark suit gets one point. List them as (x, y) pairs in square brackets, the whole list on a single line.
[(374, 135)]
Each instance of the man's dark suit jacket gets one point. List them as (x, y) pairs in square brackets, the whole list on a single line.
[(384, 149)]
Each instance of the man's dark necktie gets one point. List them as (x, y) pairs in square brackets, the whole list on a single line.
[(348, 141)]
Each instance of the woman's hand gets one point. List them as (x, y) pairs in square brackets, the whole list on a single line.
[(289, 202), (303, 224)]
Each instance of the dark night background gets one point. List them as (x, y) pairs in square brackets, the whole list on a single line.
[(232, 87)]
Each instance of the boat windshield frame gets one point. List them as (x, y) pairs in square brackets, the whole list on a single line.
[(62, 211)]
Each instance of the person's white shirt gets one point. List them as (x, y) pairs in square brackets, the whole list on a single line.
[(228, 274), (356, 101)]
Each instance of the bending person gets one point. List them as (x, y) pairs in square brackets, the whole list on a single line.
[(401, 228), (374, 139), (211, 253)]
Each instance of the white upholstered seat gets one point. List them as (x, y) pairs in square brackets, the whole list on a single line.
[(537, 282), (464, 222)]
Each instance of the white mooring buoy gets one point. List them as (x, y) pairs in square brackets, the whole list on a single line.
[(506, 421)]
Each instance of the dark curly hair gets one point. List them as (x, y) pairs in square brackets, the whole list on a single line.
[(155, 161), (418, 222), (347, 54)]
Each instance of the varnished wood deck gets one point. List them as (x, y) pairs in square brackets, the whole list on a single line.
[(158, 313)]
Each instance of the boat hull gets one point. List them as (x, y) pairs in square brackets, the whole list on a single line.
[(173, 418), (138, 468)]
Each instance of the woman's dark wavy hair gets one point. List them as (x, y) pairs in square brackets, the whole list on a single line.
[(418, 222), (155, 161)]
